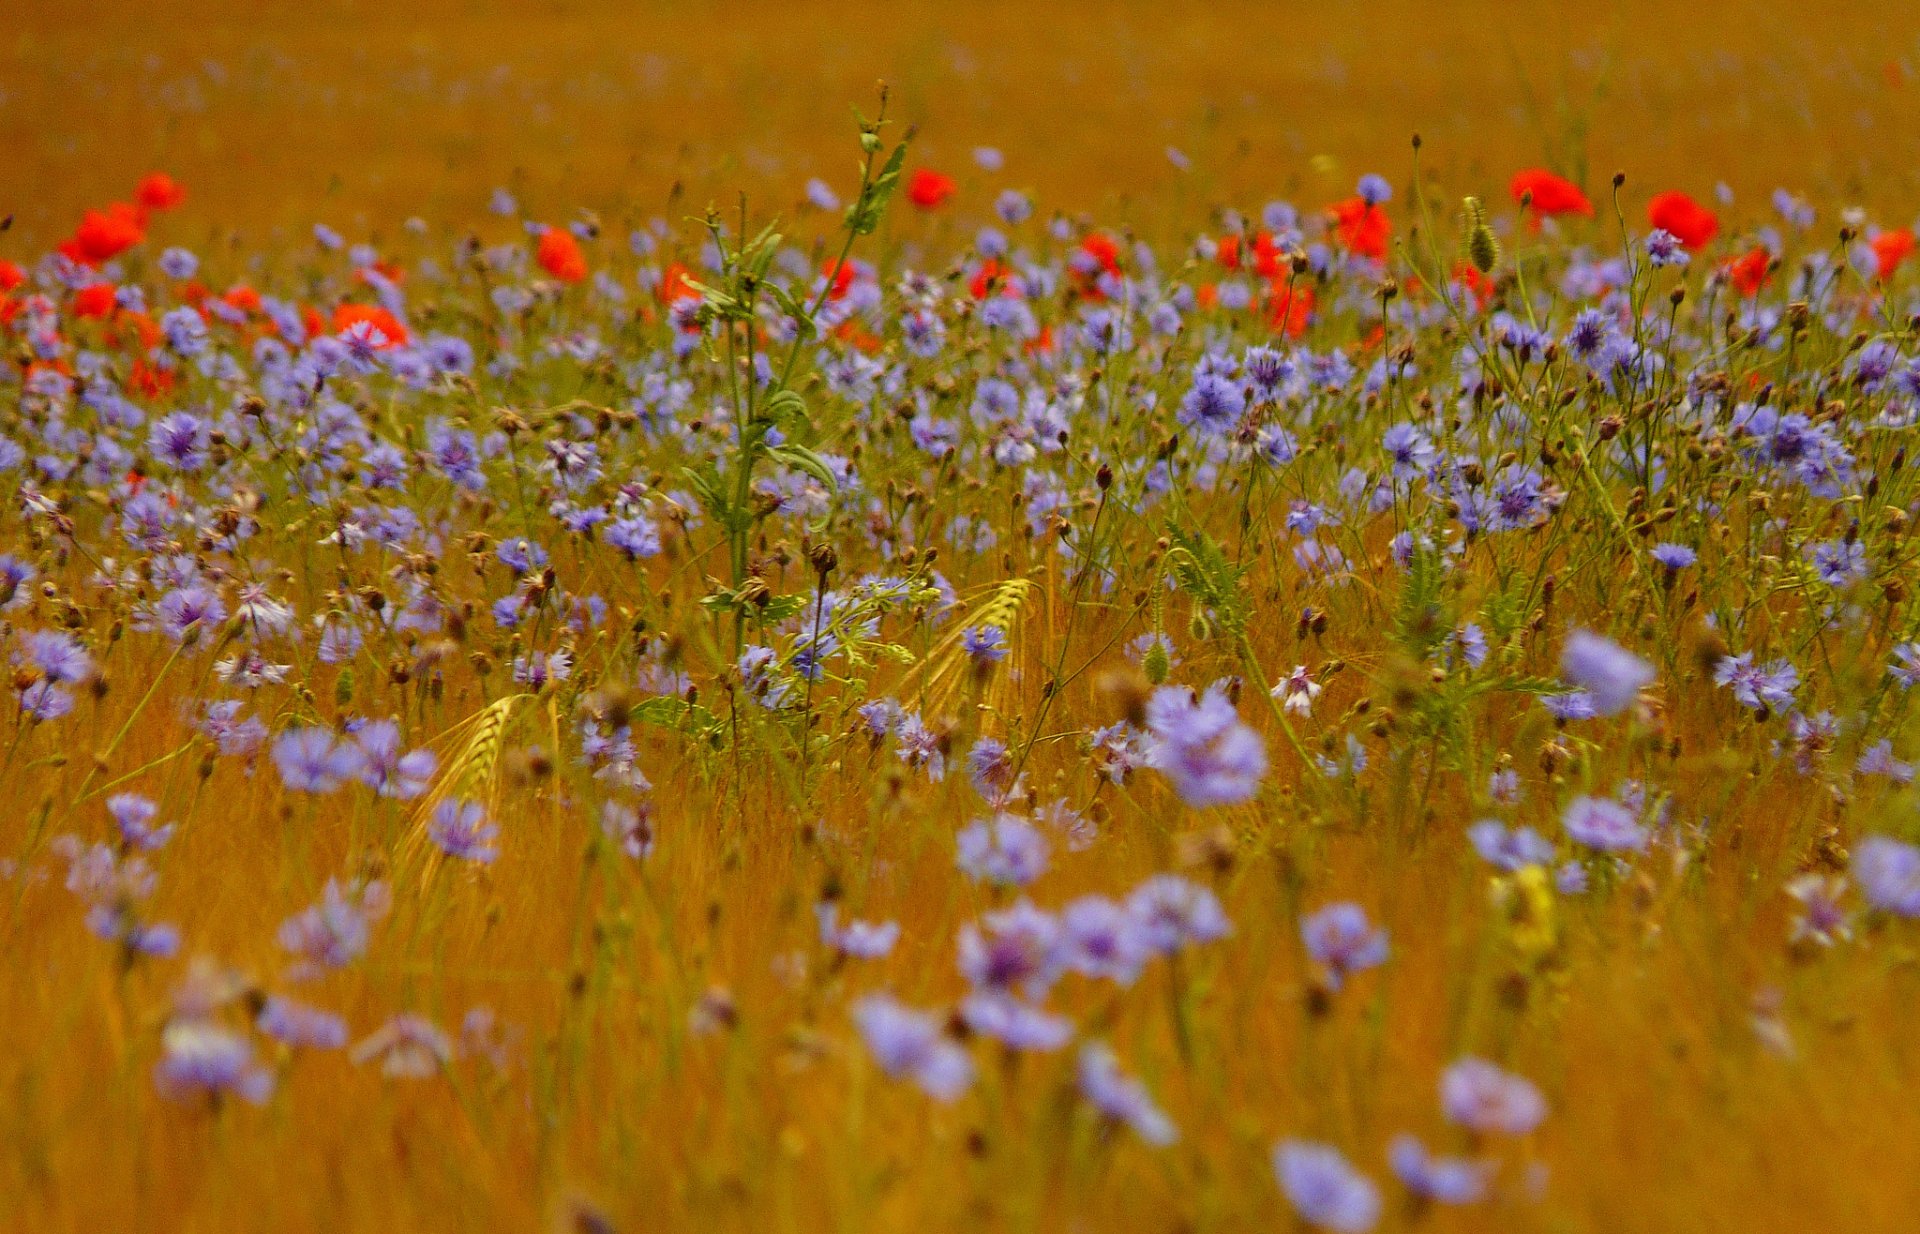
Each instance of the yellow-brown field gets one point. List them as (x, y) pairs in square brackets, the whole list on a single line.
[(665, 1043)]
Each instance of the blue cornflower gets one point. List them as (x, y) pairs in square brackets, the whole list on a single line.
[(1341, 940), (1324, 1188)]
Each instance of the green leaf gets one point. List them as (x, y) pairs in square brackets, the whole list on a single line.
[(800, 458), (1203, 570)]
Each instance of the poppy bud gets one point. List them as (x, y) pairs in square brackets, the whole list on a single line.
[(1483, 249)]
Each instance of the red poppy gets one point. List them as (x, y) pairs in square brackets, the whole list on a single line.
[(1361, 228), (243, 297), (1689, 222), (93, 301), (560, 255), (850, 331), (1549, 194), (11, 276), (150, 380), (1288, 308), (143, 327), (674, 286), (839, 277), (1100, 258), (1749, 271), (1890, 248), (992, 275), (159, 191), (347, 316), (1478, 285), (104, 234), (928, 189), (1266, 256)]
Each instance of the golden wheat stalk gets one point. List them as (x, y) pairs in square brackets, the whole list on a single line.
[(939, 674), (474, 770)]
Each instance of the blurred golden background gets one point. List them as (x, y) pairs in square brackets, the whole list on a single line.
[(361, 113)]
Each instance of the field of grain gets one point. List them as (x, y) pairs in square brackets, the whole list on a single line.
[(1147, 657)]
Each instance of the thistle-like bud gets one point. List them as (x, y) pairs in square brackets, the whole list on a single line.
[(1483, 249)]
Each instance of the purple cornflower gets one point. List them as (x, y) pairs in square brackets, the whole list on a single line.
[(631, 827), (1839, 563), (1603, 825), (1664, 249), (863, 940), (1509, 848), (1017, 948), (302, 1026), (1761, 689), (1888, 871), (202, 1059), (1409, 449), (1122, 1098), (1013, 1023), (984, 645), (180, 440), (1200, 744), (58, 656), (1212, 407), (313, 760), (384, 768), (336, 931), (1324, 1188), (1342, 941), (1100, 938), (913, 1045), (1373, 190), (1674, 557), (187, 612), (1172, 913), (1821, 919), (133, 816), (1481, 1097), (408, 1047), (1608, 672), (636, 536), (1878, 760), (461, 829), (990, 767), (1005, 849), (1905, 668), (1443, 1180)]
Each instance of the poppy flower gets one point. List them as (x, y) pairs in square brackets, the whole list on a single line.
[(150, 380), (1548, 194), (131, 325), (559, 255), (104, 234), (1266, 255), (159, 191), (929, 189), (1099, 256), (990, 276), (1748, 272), (93, 301), (1684, 218), (674, 285), (839, 277), (1361, 227), (1288, 308), (1477, 285), (347, 316), (243, 297), (1890, 248), (11, 276)]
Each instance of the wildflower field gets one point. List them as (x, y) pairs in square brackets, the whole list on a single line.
[(596, 642)]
